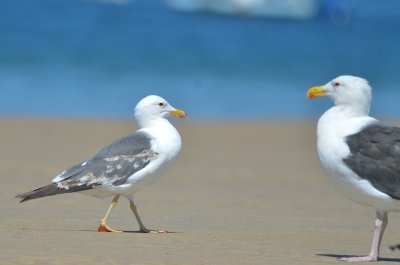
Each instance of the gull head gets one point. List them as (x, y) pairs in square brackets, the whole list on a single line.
[(155, 107), (345, 90)]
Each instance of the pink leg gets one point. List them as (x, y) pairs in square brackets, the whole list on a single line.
[(380, 225)]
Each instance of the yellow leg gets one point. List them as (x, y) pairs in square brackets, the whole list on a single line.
[(103, 227), (143, 229)]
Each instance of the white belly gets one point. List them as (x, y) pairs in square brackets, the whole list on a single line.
[(348, 182), (167, 145)]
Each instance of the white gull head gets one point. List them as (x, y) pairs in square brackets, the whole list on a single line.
[(347, 91), (152, 108)]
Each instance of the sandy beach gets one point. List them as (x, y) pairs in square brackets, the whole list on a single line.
[(240, 193)]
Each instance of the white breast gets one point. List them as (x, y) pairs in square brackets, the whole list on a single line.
[(167, 143), (332, 149)]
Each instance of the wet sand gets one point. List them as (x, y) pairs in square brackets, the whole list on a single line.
[(240, 193)]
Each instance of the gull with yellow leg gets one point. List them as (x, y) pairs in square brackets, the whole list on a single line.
[(125, 166)]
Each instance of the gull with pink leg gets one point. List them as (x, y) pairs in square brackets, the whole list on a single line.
[(359, 154)]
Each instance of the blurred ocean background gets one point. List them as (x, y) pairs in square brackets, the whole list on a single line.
[(98, 58)]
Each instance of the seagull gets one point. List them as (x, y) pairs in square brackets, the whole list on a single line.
[(125, 166), (360, 154)]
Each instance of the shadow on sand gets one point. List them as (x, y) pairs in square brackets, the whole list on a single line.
[(336, 256), (87, 230)]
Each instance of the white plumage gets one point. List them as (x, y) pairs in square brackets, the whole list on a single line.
[(359, 154), (127, 165)]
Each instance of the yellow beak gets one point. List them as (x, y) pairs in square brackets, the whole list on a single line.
[(178, 113), (315, 92)]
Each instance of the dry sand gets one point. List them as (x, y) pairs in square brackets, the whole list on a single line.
[(240, 193)]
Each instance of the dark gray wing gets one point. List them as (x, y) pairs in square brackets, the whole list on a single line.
[(111, 166), (375, 156)]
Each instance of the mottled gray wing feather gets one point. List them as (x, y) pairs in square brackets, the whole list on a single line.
[(113, 164), (72, 171), (129, 145), (375, 156)]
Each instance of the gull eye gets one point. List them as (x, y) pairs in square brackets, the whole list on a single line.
[(336, 84), (161, 104)]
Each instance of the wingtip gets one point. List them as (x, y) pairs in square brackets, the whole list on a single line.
[(20, 197), (23, 197)]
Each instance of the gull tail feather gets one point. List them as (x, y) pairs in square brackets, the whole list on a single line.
[(45, 191), (49, 190)]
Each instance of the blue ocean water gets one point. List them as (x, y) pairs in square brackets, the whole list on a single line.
[(92, 58)]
